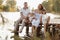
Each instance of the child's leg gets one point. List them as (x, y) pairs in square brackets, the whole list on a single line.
[(33, 28), (36, 32), (45, 29)]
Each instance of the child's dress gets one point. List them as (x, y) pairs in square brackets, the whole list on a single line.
[(36, 21)]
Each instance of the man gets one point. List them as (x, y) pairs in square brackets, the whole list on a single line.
[(24, 14)]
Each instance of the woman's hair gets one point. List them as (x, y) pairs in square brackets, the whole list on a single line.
[(40, 7)]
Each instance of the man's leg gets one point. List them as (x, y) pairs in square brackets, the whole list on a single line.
[(23, 24), (17, 23), (27, 27), (16, 29), (27, 30)]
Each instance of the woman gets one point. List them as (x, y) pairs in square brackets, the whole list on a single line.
[(37, 20)]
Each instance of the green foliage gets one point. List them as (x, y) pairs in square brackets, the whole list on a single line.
[(11, 2), (55, 6), (1, 1), (46, 5), (6, 8)]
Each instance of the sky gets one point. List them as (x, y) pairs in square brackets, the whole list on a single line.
[(31, 3)]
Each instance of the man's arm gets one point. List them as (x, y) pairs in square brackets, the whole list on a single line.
[(21, 13)]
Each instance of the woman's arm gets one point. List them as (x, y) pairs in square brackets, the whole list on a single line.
[(41, 19)]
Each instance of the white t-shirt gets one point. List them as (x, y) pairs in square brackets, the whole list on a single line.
[(25, 12), (44, 18)]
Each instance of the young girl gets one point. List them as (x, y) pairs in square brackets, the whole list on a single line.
[(36, 21), (45, 20)]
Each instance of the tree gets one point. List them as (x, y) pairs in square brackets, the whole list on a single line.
[(52, 6), (46, 5), (11, 4), (1, 1), (1, 6), (56, 6)]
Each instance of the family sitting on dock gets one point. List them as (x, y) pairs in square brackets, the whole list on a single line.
[(33, 19)]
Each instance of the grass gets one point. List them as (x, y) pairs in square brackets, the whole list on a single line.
[(48, 37)]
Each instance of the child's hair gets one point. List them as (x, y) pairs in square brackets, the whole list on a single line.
[(43, 11), (31, 14), (27, 18)]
